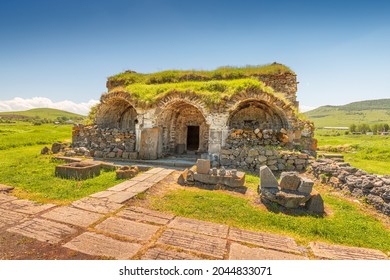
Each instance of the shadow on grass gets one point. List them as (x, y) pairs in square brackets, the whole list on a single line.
[(198, 185), (301, 211)]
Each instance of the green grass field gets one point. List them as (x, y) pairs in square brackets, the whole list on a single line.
[(368, 152), (24, 134), (43, 113), (346, 224), (23, 167)]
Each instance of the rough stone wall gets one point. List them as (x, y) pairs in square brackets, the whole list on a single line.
[(105, 142), (255, 117), (279, 149), (252, 158), (284, 83), (342, 176)]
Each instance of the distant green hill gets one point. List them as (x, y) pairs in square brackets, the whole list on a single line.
[(369, 111), (41, 113)]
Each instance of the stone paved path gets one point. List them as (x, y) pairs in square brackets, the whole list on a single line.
[(102, 225)]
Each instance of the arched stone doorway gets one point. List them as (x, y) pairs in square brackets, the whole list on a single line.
[(256, 114), (184, 129), (117, 113)]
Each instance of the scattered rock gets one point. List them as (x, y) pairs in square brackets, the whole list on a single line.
[(289, 181), (306, 185), (203, 166), (292, 192), (373, 188), (315, 204), (45, 150), (267, 179), (56, 147), (183, 177), (126, 172)]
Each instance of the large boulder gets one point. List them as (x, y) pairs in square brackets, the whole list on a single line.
[(315, 204), (289, 181), (267, 179), (288, 199)]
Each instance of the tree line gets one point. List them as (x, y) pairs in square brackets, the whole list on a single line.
[(364, 128)]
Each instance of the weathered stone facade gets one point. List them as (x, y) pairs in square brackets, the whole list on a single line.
[(105, 142), (251, 158), (245, 130)]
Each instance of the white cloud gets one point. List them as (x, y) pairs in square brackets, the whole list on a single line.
[(21, 104), (304, 108)]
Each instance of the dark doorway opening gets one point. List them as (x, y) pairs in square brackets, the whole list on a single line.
[(192, 138)]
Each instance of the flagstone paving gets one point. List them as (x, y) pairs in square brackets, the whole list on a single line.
[(198, 243), (6, 198), (167, 254), (242, 252), (145, 215), (101, 225), (337, 252), (100, 245), (96, 205), (44, 230), (8, 218), (129, 229), (25, 206), (207, 228), (265, 240), (73, 216)]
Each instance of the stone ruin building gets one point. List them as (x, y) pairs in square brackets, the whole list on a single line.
[(237, 117)]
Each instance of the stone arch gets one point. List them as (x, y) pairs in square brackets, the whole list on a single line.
[(190, 98), (267, 109), (116, 110), (253, 113), (183, 126)]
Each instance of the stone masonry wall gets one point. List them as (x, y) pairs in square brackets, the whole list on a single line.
[(285, 83), (342, 176), (105, 143), (253, 158)]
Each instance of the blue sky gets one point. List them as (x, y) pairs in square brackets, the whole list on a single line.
[(65, 50)]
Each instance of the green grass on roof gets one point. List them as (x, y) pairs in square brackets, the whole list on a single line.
[(211, 92), (223, 73)]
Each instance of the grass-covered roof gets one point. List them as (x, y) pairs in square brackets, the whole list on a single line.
[(211, 86), (222, 73)]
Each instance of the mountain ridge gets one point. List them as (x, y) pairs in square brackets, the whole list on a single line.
[(366, 111)]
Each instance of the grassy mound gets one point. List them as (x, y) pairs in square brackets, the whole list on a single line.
[(177, 76)]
